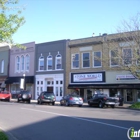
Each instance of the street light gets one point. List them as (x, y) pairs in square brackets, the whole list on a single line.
[(24, 80)]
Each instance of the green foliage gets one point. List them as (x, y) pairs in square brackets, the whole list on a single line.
[(135, 105), (3, 136), (10, 20)]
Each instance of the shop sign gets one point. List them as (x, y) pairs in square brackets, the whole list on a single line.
[(125, 77), (87, 77)]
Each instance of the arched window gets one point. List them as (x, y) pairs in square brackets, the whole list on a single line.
[(58, 62), (49, 62), (17, 63), (22, 63), (27, 62), (41, 62), (2, 66)]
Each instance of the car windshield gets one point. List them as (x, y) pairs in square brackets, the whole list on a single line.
[(25, 92), (48, 94)]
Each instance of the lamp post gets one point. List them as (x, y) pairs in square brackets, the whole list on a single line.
[(24, 80)]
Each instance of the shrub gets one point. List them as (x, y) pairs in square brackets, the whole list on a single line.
[(3, 136), (135, 105)]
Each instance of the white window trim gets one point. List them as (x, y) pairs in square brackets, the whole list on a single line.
[(72, 61), (131, 56), (93, 60), (56, 61), (47, 62), (39, 62), (22, 70), (110, 59), (2, 66), (16, 64), (26, 62), (82, 60)]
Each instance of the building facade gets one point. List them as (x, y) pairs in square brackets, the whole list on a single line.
[(21, 69), (93, 70), (4, 65), (50, 68)]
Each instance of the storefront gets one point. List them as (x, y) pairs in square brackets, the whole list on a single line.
[(50, 82)]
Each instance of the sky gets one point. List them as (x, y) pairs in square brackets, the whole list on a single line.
[(51, 20)]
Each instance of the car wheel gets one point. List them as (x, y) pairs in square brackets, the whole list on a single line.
[(67, 104), (101, 105), (17, 100), (53, 103)]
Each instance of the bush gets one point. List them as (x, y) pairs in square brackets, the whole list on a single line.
[(3, 136), (135, 105)]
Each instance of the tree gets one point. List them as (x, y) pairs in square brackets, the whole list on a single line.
[(10, 21), (124, 47)]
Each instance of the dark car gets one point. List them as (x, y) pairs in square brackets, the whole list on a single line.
[(102, 100), (24, 95), (46, 97), (71, 99)]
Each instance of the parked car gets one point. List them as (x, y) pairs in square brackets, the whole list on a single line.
[(71, 99), (120, 98), (46, 97), (5, 95), (102, 100), (24, 96)]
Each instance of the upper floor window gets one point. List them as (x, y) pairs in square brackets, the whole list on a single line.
[(75, 61), (27, 61), (41, 62), (97, 59), (114, 60), (2, 66), (17, 63), (127, 56), (86, 60), (58, 61), (49, 62), (22, 63)]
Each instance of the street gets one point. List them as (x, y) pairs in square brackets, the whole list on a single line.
[(22, 121)]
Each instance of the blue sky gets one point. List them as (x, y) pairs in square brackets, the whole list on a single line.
[(51, 20)]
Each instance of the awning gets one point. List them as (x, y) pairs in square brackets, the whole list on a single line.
[(105, 86), (12, 80)]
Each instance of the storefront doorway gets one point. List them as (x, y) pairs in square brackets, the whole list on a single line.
[(129, 95)]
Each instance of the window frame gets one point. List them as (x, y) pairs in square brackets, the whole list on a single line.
[(100, 60), (17, 64), (51, 61), (41, 58), (116, 58), (22, 63), (89, 59), (75, 60), (57, 58), (27, 64)]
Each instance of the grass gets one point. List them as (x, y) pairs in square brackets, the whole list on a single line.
[(3, 136), (135, 105)]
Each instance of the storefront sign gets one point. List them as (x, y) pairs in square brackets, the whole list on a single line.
[(125, 77), (87, 77)]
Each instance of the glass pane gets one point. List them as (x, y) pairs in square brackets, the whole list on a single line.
[(85, 56), (61, 91), (86, 63), (56, 91)]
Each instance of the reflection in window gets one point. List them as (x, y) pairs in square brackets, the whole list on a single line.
[(41, 62), (114, 58), (75, 60), (58, 61), (97, 59), (127, 56), (49, 62), (86, 60)]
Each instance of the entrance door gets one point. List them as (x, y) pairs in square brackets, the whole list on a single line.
[(129, 95), (50, 89)]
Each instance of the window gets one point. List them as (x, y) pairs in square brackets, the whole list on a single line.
[(86, 60), (17, 63), (41, 62), (127, 56), (27, 66), (2, 66), (75, 61), (97, 59), (49, 62), (114, 60), (22, 63), (58, 61)]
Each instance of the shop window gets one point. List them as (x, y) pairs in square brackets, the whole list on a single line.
[(97, 59), (27, 60), (49, 62), (75, 61), (114, 60), (41, 62), (129, 95), (86, 60), (58, 62), (127, 56), (2, 66)]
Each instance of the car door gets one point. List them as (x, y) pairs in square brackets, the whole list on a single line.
[(95, 99)]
